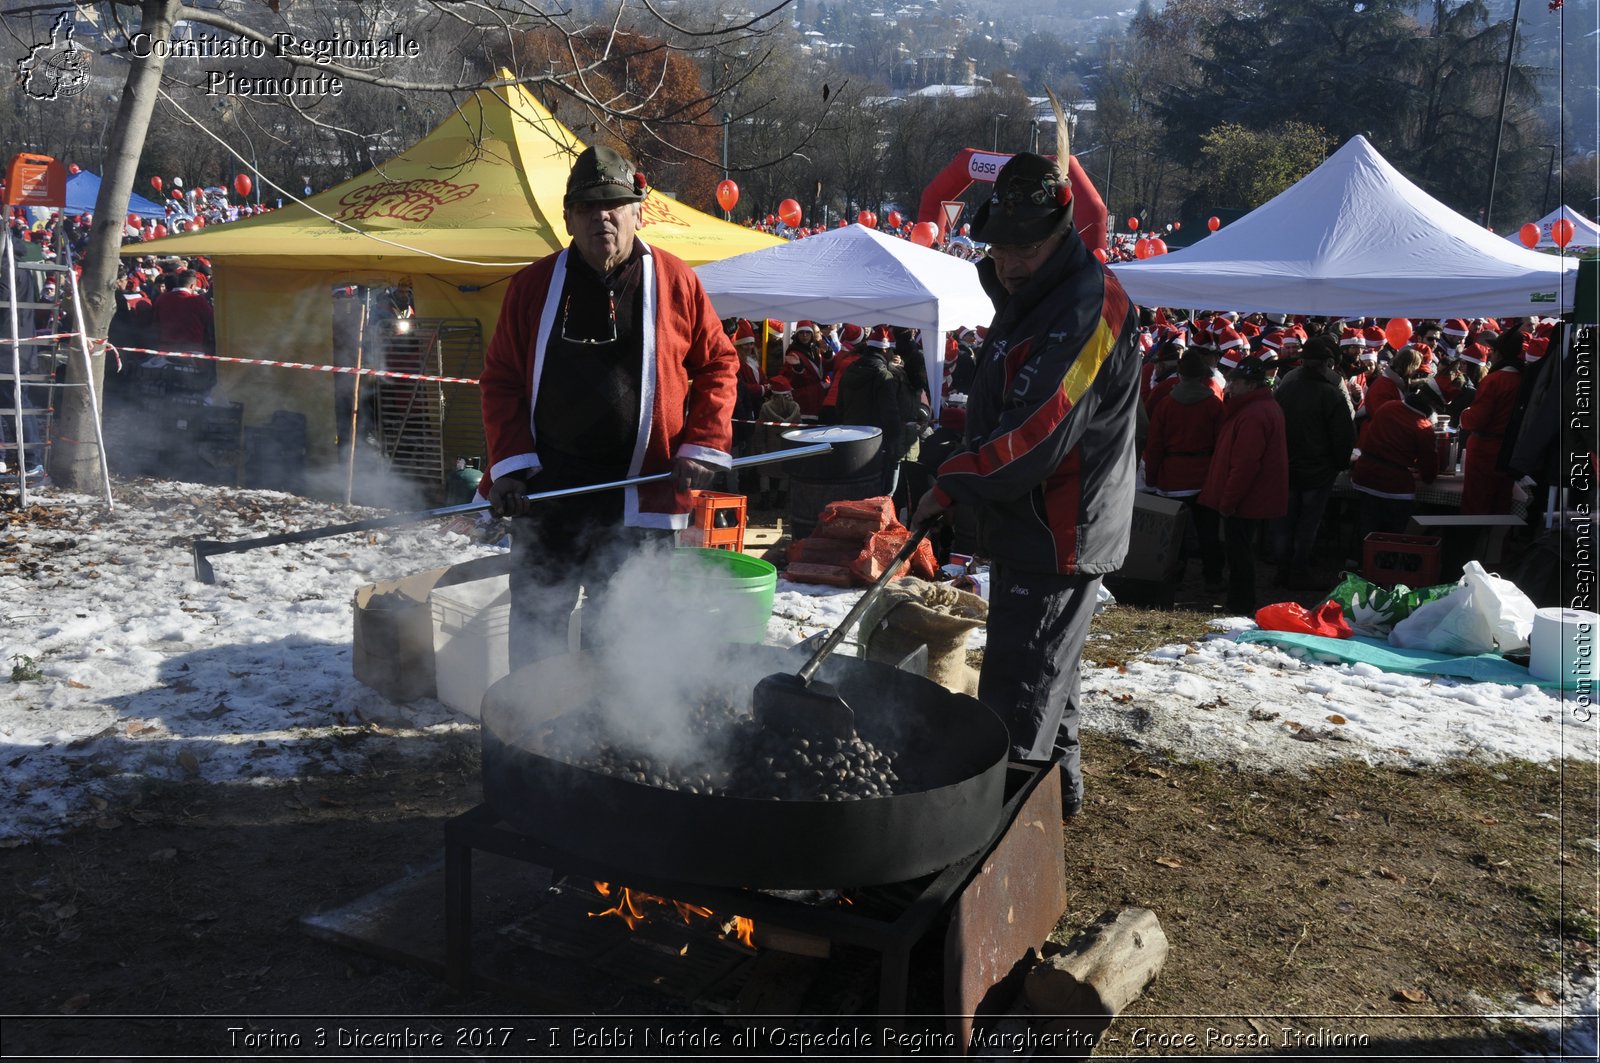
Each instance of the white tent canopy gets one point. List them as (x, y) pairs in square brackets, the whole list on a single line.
[(1355, 238), (1585, 233), (855, 274)]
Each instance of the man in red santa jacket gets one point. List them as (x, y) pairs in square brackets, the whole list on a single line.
[(608, 362)]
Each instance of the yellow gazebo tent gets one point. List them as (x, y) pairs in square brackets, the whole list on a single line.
[(453, 217)]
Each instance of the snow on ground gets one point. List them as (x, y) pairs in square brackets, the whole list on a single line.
[(144, 673)]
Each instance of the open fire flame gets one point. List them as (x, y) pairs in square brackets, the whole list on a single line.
[(635, 907)]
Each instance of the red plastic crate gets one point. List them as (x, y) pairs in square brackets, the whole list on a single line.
[(717, 521), (1409, 559)]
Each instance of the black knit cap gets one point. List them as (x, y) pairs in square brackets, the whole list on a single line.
[(601, 174), (1031, 201), (1253, 369)]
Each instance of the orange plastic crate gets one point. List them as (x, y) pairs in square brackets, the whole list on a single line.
[(1409, 559), (717, 521)]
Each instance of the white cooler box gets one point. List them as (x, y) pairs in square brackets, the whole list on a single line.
[(471, 640)]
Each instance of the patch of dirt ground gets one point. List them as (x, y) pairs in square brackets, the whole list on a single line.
[(1397, 903)]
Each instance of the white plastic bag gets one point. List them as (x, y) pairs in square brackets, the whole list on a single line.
[(1502, 608), (1418, 630), (1486, 614)]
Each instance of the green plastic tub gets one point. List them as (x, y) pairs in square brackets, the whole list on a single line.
[(732, 591)]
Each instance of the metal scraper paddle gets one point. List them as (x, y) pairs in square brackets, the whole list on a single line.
[(809, 708)]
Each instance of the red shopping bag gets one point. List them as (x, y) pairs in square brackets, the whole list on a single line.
[(1328, 620)]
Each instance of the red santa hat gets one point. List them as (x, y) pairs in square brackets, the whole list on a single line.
[(1273, 341), (1373, 336), (851, 335), (882, 338), (1232, 346), (1454, 327), (1476, 353), (1536, 349), (779, 384), (744, 332), (1351, 337), (1424, 357), (805, 326)]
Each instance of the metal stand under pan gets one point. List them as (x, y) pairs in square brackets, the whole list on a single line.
[(998, 905)]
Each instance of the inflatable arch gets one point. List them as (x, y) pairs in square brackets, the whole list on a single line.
[(971, 164)]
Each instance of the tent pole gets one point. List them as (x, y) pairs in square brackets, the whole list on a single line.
[(1500, 119)]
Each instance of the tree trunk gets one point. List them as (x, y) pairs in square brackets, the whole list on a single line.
[(74, 462)]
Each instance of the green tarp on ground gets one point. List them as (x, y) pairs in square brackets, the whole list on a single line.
[(1483, 668)]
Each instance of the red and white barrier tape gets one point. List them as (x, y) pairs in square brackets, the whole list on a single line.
[(36, 339), (302, 365)]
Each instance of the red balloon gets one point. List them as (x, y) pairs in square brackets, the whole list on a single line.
[(789, 213), (199, 221), (1100, 255), (1158, 246), (72, 168), (895, 220), (1213, 223), (1562, 232), (1141, 249), (155, 183), (727, 195), (1177, 225), (242, 185), (924, 233), (1397, 331), (1133, 225), (1529, 234), (177, 193), (771, 219), (133, 220), (159, 231), (843, 223), (868, 219)]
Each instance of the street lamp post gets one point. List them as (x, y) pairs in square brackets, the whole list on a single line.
[(995, 145), (727, 118)]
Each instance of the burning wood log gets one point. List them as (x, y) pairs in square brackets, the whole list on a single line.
[(1102, 970)]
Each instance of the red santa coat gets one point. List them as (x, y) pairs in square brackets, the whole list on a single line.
[(1398, 440), (806, 376), (687, 387), (1485, 489), (1249, 474), (1182, 439)]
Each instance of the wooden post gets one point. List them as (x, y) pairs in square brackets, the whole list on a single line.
[(355, 403)]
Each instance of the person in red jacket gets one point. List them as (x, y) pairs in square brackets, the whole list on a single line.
[(1484, 488), (1248, 482), (802, 365), (1390, 383), (608, 362), (1397, 450), (1178, 451)]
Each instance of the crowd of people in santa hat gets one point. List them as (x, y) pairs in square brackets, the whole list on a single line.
[(1252, 420), (831, 374)]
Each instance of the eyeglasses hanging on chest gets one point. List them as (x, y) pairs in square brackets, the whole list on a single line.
[(609, 325)]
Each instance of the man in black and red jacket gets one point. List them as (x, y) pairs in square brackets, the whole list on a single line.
[(1049, 462)]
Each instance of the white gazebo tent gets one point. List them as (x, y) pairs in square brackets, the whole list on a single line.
[(855, 274), (1585, 233), (1355, 238)]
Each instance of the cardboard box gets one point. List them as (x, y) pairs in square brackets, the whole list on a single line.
[(393, 639), (1155, 544)]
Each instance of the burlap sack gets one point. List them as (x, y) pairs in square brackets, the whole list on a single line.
[(913, 612)]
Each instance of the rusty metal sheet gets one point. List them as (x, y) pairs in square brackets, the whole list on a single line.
[(1006, 911)]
